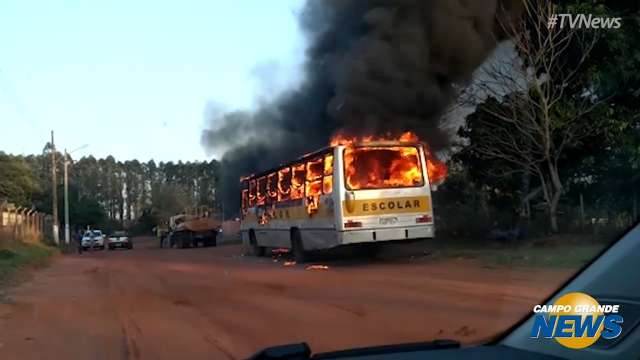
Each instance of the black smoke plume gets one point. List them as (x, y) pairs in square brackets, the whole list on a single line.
[(373, 66)]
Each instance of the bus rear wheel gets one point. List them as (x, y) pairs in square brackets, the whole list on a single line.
[(299, 254)]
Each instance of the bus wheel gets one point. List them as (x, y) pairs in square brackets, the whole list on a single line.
[(256, 250), (297, 249)]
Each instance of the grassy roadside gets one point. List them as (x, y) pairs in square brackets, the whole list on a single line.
[(15, 256), (561, 256), (560, 251)]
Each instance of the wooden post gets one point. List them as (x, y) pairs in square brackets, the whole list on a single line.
[(15, 223)]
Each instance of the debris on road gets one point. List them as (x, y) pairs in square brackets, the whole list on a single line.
[(279, 251), (289, 263), (317, 267)]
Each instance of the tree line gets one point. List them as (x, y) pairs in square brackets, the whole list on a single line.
[(555, 135), (108, 193)]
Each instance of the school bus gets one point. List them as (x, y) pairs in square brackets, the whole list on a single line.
[(353, 192)]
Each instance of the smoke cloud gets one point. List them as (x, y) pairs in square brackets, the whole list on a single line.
[(374, 66)]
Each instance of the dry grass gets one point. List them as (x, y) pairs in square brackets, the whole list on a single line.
[(17, 255)]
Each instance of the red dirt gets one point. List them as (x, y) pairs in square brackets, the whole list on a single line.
[(215, 304)]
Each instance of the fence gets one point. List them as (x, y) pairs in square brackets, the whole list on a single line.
[(23, 224)]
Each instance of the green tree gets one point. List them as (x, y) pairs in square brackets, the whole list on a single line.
[(535, 106), (18, 183)]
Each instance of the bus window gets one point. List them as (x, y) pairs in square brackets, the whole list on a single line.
[(314, 188), (382, 167), (262, 190), (284, 184), (272, 187), (252, 193), (327, 180), (328, 165), (245, 200), (315, 169), (297, 181)]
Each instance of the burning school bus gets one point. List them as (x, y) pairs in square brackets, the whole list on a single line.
[(358, 190)]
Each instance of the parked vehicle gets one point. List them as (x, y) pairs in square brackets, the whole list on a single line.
[(194, 227), (93, 239), (119, 240)]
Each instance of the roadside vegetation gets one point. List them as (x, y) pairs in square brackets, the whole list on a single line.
[(17, 255), (562, 256), (571, 252), (551, 144)]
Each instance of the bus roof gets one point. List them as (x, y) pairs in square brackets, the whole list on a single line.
[(324, 151)]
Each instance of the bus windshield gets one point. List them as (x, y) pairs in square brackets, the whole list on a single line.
[(380, 167)]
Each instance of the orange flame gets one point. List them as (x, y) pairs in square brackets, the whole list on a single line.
[(437, 169), (342, 139)]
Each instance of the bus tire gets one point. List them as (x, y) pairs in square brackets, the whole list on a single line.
[(299, 254), (256, 250)]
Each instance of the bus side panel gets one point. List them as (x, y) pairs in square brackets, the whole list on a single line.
[(316, 230), (276, 238), (318, 239)]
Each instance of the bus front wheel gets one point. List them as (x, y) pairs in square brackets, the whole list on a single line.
[(256, 250), (297, 248)]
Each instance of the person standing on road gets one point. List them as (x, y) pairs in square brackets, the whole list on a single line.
[(160, 235), (79, 241)]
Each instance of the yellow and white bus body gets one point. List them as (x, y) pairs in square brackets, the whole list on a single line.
[(342, 216)]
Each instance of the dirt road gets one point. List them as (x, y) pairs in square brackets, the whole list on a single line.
[(215, 304)]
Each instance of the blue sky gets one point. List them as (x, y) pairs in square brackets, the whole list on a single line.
[(133, 78)]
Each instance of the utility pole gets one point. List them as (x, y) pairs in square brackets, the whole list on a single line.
[(54, 187), (67, 161), (67, 234)]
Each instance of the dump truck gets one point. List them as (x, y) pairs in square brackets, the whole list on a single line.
[(192, 229)]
